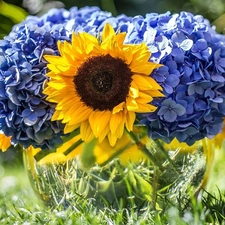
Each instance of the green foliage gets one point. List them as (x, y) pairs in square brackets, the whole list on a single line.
[(9, 15), (18, 205), (5, 26)]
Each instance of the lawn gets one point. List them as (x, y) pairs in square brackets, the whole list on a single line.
[(19, 205)]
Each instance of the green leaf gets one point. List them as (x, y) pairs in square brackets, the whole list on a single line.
[(87, 156), (140, 186), (5, 26), (40, 155), (15, 13), (108, 5)]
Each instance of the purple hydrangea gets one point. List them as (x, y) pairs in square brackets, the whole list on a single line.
[(24, 113), (192, 75)]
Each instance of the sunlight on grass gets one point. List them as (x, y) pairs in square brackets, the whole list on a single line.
[(19, 205), (217, 175)]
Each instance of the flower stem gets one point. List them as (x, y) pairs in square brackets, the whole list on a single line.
[(165, 153), (145, 150), (118, 152), (73, 147), (44, 153), (155, 187)]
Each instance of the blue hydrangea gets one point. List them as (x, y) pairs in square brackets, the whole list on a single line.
[(192, 75), (24, 113)]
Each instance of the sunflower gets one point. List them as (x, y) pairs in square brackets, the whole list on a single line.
[(100, 83), (5, 142)]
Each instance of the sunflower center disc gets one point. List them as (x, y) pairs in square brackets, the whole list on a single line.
[(103, 82)]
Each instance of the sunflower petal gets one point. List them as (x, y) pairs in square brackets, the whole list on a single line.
[(130, 118), (134, 91), (115, 121), (131, 104), (145, 83), (70, 128), (112, 139), (86, 132), (107, 31), (118, 108), (98, 121)]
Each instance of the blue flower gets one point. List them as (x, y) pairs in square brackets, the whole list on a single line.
[(170, 110), (201, 49), (193, 75)]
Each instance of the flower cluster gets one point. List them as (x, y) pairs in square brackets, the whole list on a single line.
[(25, 115), (193, 75), (39, 73)]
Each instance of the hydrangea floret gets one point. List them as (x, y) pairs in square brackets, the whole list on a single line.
[(193, 75)]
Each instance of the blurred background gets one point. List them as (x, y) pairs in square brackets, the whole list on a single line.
[(14, 11)]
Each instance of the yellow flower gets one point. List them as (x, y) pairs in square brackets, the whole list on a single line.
[(181, 146), (219, 138), (5, 142), (58, 156), (99, 86), (130, 152), (125, 149)]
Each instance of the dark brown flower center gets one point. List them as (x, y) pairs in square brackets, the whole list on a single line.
[(103, 82)]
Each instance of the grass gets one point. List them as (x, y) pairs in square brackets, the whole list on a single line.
[(20, 206)]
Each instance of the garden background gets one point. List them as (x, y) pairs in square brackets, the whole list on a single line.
[(19, 205)]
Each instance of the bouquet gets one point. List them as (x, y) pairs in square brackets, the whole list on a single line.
[(82, 83)]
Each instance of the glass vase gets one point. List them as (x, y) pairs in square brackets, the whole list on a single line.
[(133, 173)]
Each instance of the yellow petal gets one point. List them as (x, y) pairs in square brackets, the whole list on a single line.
[(144, 69), (112, 139), (130, 118), (128, 54), (70, 128), (66, 102), (145, 83), (131, 104), (134, 92), (58, 115), (66, 145), (119, 38), (107, 31), (78, 114), (91, 40), (118, 108), (5, 142), (145, 108), (144, 98), (104, 133), (98, 121), (153, 93), (115, 121), (52, 158), (56, 84), (86, 131)]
